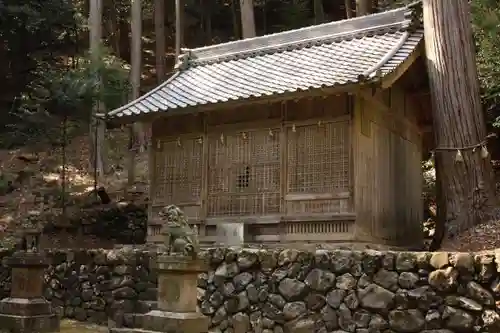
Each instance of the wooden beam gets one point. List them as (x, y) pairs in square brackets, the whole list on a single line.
[(319, 217), (317, 196), (252, 219)]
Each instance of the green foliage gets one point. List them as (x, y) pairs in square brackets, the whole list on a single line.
[(70, 92), (102, 80), (429, 173), (486, 23), (34, 34)]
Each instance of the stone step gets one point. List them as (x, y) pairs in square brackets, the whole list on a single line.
[(137, 320), (134, 330), (130, 330), (146, 306)]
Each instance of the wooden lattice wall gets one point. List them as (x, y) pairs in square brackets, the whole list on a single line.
[(178, 168), (244, 173), (283, 159), (318, 165)]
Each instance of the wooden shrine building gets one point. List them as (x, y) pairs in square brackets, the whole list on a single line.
[(309, 135)]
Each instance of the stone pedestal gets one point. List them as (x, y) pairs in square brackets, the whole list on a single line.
[(177, 291), (177, 298), (26, 310)]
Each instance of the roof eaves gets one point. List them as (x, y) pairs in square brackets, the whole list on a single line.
[(374, 70), (117, 112)]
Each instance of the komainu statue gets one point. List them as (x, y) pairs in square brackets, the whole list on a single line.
[(179, 237)]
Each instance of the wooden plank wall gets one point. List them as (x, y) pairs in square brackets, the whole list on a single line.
[(387, 162)]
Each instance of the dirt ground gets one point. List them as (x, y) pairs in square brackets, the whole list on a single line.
[(71, 326)]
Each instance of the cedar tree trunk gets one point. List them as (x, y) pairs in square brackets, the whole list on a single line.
[(467, 187)]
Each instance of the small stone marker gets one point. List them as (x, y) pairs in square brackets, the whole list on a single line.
[(26, 310), (231, 234)]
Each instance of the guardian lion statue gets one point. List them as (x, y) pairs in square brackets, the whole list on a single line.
[(179, 237)]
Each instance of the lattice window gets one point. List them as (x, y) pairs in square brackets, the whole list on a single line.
[(178, 171), (244, 173), (318, 158)]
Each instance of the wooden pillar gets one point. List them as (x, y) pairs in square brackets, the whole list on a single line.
[(204, 178), (283, 166)]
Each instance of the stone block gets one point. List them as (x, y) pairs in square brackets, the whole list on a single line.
[(175, 322), (25, 307), (25, 324), (233, 234)]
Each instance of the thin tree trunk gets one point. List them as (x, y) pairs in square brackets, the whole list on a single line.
[(265, 27), (236, 23), (206, 8), (467, 186), (319, 12), (114, 31), (364, 7), (96, 128), (136, 132), (160, 39), (123, 37), (247, 18), (348, 8), (179, 31)]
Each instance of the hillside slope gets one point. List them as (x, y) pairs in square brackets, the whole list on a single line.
[(31, 179)]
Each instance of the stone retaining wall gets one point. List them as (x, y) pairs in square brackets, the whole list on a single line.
[(345, 291), (95, 285), (291, 291)]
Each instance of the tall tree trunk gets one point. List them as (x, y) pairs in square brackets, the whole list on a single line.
[(319, 12), (467, 185), (179, 25), (97, 128), (348, 8), (136, 132), (160, 40), (247, 18), (364, 7)]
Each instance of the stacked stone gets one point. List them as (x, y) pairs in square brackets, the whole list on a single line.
[(345, 291), (95, 285)]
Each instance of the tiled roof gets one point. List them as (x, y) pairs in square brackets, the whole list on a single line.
[(327, 55)]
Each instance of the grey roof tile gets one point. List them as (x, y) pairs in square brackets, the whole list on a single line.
[(327, 55)]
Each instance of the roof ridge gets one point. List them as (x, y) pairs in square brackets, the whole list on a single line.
[(396, 19)]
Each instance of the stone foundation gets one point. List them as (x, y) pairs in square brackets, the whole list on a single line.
[(289, 291)]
